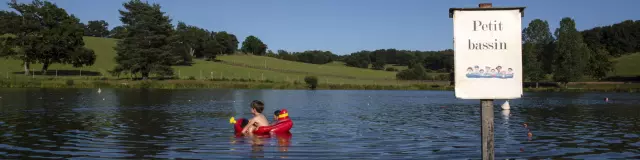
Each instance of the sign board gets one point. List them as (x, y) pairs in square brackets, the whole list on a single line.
[(488, 53)]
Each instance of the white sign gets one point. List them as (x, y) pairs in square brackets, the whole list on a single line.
[(488, 54)]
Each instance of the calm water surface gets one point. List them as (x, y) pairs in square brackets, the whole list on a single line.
[(194, 124)]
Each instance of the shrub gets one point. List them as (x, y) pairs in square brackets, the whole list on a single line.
[(69, 82), (312, 81), (443, 77), (191, 78), (416, 73), (391, 69)]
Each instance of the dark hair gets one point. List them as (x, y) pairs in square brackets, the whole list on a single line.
[(277, 112), (258, 105)]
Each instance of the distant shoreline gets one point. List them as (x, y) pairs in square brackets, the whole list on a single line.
[(229, 84)]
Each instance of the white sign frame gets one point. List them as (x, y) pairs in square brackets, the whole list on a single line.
[(488, 39)]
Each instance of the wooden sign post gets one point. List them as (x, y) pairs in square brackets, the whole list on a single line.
[(487, 60)]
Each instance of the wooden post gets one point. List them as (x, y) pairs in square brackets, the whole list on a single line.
[(487, 128), (56, 73), (487, 118), (179, 76), (211, 75), (80, 72)]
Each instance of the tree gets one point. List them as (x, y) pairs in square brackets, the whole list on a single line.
[(599, 64), (211, 47), (229, 42), (146, 47), (535, 57), (191, 41), (46, 34), (531, 64), (271, 54), (416, 73), (572, 54), (9, 21), (97, 29), (359, 59), (254, 46), (379, 59), (312, 81), (118, 32)]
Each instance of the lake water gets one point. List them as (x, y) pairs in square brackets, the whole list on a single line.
[(194, 124)]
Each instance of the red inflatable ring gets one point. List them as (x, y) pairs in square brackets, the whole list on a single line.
[(283, 125)]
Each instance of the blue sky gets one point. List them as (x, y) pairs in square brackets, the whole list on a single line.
[(345, 26)]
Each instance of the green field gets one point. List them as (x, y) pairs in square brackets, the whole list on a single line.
[(339, 63), (229, 67), (627, 66)]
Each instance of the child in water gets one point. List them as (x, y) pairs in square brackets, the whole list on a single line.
[(275, 117), (258, 119)]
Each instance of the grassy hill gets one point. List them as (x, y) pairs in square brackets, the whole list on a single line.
[(627, 66), (229, 66)]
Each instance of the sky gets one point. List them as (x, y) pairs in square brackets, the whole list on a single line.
[(346, 26)]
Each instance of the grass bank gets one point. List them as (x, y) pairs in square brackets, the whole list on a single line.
[(209, 83), (267, 84)]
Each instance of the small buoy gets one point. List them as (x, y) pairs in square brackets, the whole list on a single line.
[(525, 125), (606, 99), (529, 134), (99, 91), (189, 100), (505, 105), (103, 99)]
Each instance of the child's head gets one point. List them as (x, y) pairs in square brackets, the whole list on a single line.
[(499, 68), (257, 106), (276, 114), (482, 71), (510, 70), (493, 70), (469, 69)]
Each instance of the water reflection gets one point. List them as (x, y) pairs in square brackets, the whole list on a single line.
[(193, 124), (144, 122)]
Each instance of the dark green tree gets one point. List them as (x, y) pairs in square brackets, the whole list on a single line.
[(359, 59), (228, 41), (146, 48), (600, 63), (191, 41), (9, 21), (254, 46), (416, 73), (271, 54), (535, 56), (97, 29), (282, 54), (572, 54), (47, 34), (212, 48), (118, 32), (312, 81)]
